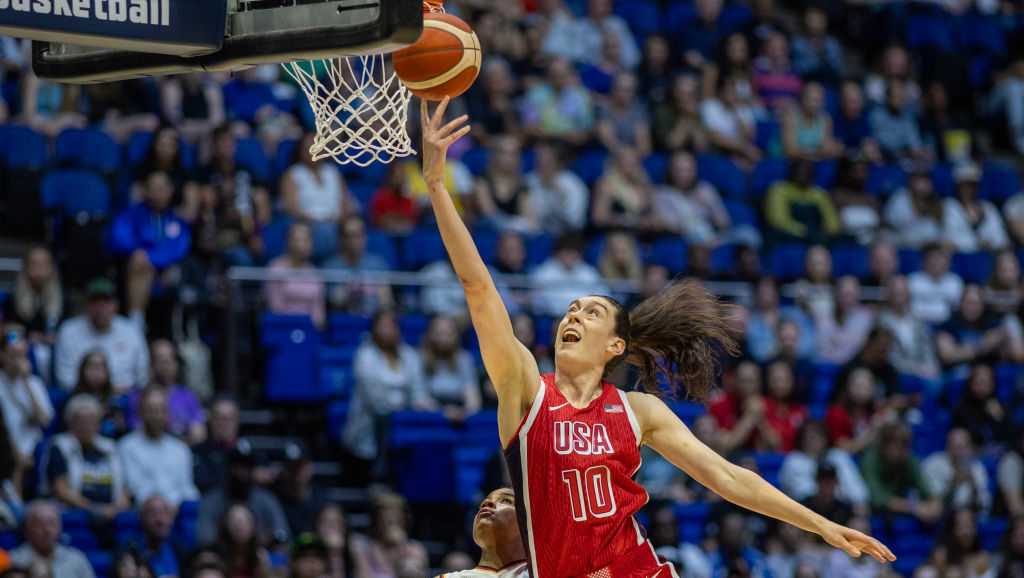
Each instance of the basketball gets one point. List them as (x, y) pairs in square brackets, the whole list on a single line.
[(443, 62)]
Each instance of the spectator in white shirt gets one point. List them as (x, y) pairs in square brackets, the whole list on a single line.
[(841, 335), (101, 328), (913, 350), (558, 197), (731, 122), (969, 223), (564, 277), (24, 404), (562, 27), (935, 291), (914, 214), (154, 461), (798, 476), (956, 475), (590, 33), (314, 191)]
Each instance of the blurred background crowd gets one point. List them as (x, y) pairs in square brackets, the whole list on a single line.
[(223, 359)]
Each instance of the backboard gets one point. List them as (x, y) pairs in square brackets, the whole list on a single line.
[(254, 32)]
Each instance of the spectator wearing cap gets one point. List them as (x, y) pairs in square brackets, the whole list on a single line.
[(564, 276), (894, 478), (798, 210), (153, 238), (241, 488), (968, 222), (82, 469), (186, 418), (956, 475), (935, 291), (301, 499), (101, 328), (211, 456), (24, 403), (156, 549), (42, 547), (309, 557), (154, 461)]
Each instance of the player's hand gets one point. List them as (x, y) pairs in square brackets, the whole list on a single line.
[(437, 138), (856, 543)]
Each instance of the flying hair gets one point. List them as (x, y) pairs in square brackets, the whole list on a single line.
[(678, 335)]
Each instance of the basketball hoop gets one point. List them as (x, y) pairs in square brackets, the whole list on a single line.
[(360, 107)]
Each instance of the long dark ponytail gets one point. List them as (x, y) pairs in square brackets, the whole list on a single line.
[(678, 335)]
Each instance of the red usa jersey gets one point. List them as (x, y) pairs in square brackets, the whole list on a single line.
[(573, 474)]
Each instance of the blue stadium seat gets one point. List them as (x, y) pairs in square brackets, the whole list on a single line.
[(669, 252), (589, 165), (656, 166), (642, 16), (470, 464), (595, 247), (137, 146), (769, 137), (8, 539), (786, 261), (680, 15), (913, 545), (723, 257), (992, 531), (720, 171), (930, 29), (337, 416), (850, 260), (825, 173), (292, 371), (741, 213), (981, 33), (275, 236), (31, 151), (383, 245), (687, 411), (538, 248), (999, 182), (910, 261), (973, 267), (486, 239), (75, 193), (883, 180), (249, 154), (90, 149), (363, 192), (943, 181), (424, 442), (186, 524), (413, 327), (824, 382), (422, 247), (345, 329), (476, 160), (766, 173), (284, 154), (336, 377), (735, 17), (481, 428), (769, 464), (101, 561)]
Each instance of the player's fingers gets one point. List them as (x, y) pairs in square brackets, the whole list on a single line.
[(456, 136), (448, 128), (424, 114), (439, 112)]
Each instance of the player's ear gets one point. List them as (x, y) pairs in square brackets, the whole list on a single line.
[(617, 346)]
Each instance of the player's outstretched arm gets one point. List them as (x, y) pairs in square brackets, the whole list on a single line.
[(509, 364), (666, 434)]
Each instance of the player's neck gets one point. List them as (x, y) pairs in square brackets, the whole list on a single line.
[(498, 558), (579, 387)]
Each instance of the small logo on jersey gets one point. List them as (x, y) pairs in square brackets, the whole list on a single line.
[(557, 407), (613, 408), (573, 437)]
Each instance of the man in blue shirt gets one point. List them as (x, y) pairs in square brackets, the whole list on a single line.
[(153, 238), (156, 549)]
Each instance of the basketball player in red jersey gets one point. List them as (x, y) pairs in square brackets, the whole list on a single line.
[(496, 531), (572, 441)]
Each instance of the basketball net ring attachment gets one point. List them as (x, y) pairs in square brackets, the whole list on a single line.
[(360, 107)]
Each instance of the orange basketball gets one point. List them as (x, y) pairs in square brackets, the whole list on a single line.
[(444, 61)]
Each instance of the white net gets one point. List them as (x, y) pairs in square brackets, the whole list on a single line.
[(359, 106)]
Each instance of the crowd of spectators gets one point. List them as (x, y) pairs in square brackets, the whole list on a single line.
[(843, 171)]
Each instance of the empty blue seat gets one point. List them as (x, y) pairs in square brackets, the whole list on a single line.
[(769, 137), (337, 416), (87, 149), (850, 260), (735, 17), (992, 531), (910, 261), (722, 258), (930, 29), (22, 147), (973, 267), (913, 545), (741, 213), (642, 16), (656, 166), (981, 33), (825, 173), (383, 245), (422, 247), (470, 464), (413, 327), (8, 539), (284, 155), (476, 160), (595, 247), (679, 15), (75, 193), (137, 147), (824, 382), (999, 182), (101, 561), (249, 155), (786, 261), (275, 236), (538, 248), (336, 377), (687, 411), (669, 252), (720, 171), (943, 181), (344, 329), (885, 179), (589, 165), (766, 173), (292, 364)]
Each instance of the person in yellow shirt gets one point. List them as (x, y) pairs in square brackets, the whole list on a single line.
[(798, 210), (457, 179)]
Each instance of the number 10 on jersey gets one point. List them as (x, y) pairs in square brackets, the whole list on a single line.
[(590, 492)]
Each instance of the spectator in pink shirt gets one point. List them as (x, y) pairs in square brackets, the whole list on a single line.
[(295, 287)]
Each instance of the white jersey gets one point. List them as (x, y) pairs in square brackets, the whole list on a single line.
[(515, 570)]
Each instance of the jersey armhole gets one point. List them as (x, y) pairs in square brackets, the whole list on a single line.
[(530, 416), (633, 422)]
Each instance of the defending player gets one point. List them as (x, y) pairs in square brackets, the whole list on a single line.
[(496, 531), (571, 439)]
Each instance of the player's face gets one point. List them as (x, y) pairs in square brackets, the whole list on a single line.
[(586, 335), (496, 521)]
